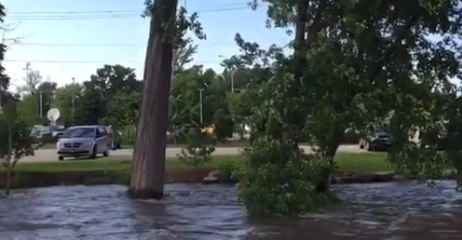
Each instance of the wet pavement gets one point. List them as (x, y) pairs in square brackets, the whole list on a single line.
[(392, 211)]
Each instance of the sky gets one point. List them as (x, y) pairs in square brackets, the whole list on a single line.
[(65, 39)]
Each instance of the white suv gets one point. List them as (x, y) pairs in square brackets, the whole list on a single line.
[(80, 141)]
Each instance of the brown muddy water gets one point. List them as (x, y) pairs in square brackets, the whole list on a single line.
[(392, 211)]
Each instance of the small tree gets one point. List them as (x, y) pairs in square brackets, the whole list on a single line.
[(199, 147), (19, 143)]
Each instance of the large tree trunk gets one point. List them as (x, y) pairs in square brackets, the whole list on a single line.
[(328, 152), (8, 181), (148, 170)]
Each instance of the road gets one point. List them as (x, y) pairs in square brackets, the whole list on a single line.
[(46, 155)]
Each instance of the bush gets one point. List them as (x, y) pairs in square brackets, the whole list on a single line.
[(228, 172), (199, 148), (22, 142), (128, 135), (274, 184)]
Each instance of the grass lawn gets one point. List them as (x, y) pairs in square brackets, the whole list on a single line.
[(347, 162)]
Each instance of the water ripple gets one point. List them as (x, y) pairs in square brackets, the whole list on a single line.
[(193, 211)]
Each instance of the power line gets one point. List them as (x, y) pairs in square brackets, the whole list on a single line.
[(74, 12), (94, 44), (112, 11), (64, 61), (106, 15), (77, 44), (85, 61)]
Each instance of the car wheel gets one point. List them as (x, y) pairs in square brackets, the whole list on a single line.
[(94, 152), (60, 158)]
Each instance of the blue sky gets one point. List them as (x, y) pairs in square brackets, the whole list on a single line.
[(49, 38)]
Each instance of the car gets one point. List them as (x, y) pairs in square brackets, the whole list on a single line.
[(380, 140), (81, 141)]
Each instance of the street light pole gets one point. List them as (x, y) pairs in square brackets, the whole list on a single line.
[(200, 106)]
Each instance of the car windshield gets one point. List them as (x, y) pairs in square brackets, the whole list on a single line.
[(79, 133)]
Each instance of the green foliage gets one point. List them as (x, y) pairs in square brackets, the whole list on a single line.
[(21, 144), (355, 64), (4, 79), (48, 90), (199, 147), (185, 101), (123, 109), (28, 109), (273, 186), (64, 99), (224, 124), (229, 171), (110, 84), (128, 134)]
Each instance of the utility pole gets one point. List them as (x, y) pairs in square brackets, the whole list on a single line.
[(232, 81), (73, 100), (201, 106), (41, 104)]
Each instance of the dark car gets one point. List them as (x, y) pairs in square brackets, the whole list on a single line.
[(379, 141)]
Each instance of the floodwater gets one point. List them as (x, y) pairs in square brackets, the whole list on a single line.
[(392, 211)]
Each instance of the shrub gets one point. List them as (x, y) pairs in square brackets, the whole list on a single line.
[(199, 147), (228, 172), (274, 185)]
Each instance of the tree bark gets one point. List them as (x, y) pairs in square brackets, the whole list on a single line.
[(10, 156), (323, 184), (8, 181), (148, 169)]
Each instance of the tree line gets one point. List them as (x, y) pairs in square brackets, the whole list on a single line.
[(112, 96)]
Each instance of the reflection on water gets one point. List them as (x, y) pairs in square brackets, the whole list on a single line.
[(369, 211)]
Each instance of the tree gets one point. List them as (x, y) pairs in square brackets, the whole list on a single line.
[(91, 106), (148, 171), (32, 80), (28, 109), (65, 100), (4, 79), (111, 79), (47, 92), (184, 48), (184, 55), (18, 144), (123, 109), (101, 89), (166, 34), (354, 63)]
